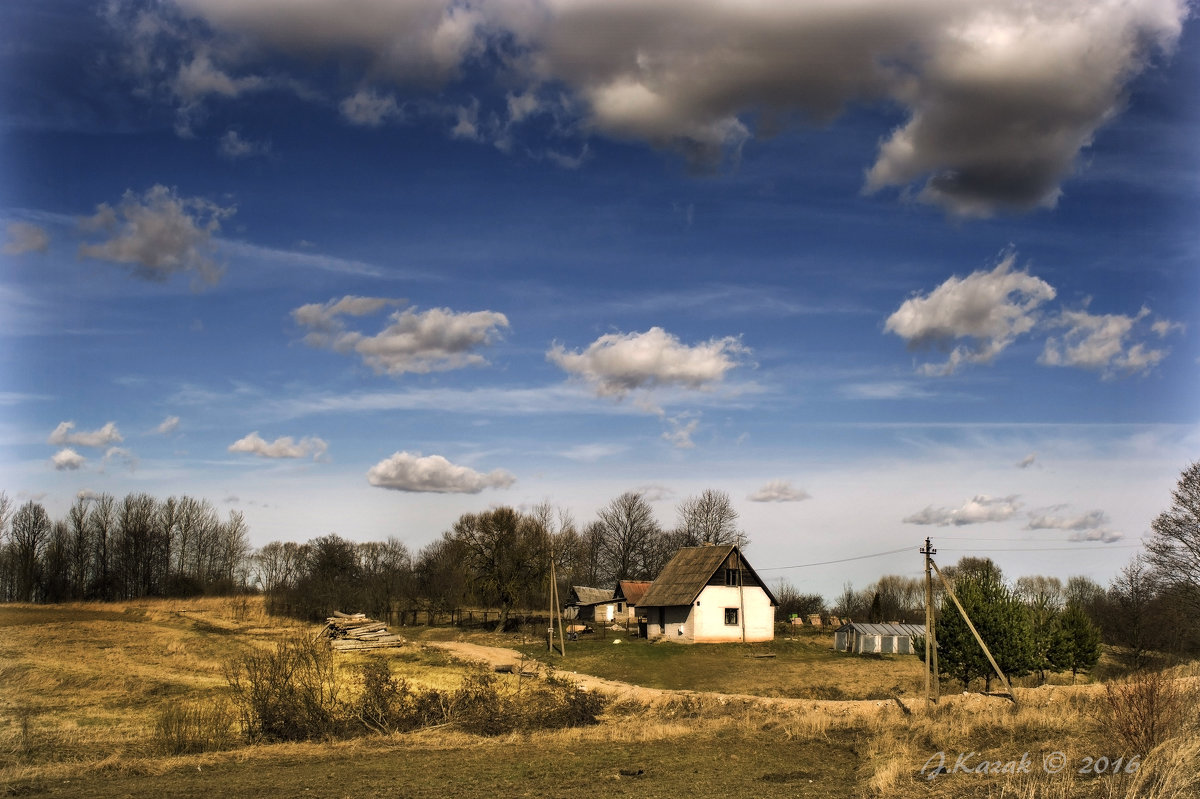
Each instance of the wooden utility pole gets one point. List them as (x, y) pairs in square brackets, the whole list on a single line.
[(741, 594), (975, 633), (932, 689), (555, 610)]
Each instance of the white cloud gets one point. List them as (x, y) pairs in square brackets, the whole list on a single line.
[(990, 309), (466, 124), (158, 234), (199, 77), (1047, 520), (886, 390), (1103, 535), (435, 340), (120, 457), (1088, 526), (283, 447), (433, 474), (66, 460), (1163, 328), (975, 511), (1103, 343), (23, 237), (167, 426), (655, 493), (233, 146), (590, 453), (369, 108), (680, 434), (63, 435), (779, 491), (618, 363), (1027, 461)]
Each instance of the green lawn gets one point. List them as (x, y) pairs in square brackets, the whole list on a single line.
[(803, 667)]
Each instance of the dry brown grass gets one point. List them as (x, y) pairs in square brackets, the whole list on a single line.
[(83, 686)]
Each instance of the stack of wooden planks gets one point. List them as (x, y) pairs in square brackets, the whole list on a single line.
[(347, 631)]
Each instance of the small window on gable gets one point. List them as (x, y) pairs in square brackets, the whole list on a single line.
[(731, 577), (731, 615), (620, 607)]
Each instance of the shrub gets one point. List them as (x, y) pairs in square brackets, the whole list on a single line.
[(1146, 709), (195, 727), (387, 705), (289, 693)]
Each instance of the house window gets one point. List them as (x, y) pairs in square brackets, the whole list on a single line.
[(731, 616), (731, 577)]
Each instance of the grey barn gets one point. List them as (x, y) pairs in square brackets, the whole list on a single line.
[(885, 639)]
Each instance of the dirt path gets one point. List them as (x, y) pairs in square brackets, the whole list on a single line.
[(496, 657)]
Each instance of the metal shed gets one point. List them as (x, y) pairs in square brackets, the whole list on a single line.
[(884, 639)]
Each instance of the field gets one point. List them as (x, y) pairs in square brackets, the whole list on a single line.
[(83, 687)]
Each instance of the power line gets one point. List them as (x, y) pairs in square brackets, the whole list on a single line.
[(1076, 548), (839, 560), (1050, 549)]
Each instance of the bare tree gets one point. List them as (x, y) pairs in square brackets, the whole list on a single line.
[(81, 547), (1037, 590), (1173, 549), (29, 533), (5, 516), (103, 519), (709, 518), (1131, 595), (630, 539)]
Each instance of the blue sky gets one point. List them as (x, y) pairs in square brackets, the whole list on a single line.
[(878, 270)]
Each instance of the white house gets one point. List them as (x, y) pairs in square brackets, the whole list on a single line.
[(708, 594)]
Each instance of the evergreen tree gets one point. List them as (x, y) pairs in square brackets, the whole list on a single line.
[(1002, 621), (1081, 641)]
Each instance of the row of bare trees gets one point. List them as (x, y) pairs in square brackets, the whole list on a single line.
[(112, 549), (498, 558)]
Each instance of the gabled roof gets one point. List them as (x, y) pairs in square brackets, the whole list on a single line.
[(685, 576), (632, 591), (865, 628), (590, 596)]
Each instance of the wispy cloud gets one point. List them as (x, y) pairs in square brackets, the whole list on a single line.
[(167, 426), (65, 434), (1090, 525), (779, 491), (23, 237), (1104, 343)]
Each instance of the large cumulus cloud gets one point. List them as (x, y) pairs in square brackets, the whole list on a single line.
[(998, 97)]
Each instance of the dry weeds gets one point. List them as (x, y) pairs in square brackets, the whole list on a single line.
[(83, 686)]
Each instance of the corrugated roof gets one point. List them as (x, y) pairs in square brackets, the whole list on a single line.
[(591, 596), (866, 628), (633, 590), (685, 576)]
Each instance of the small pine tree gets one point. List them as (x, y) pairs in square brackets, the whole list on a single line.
[(1081, 641), (1002, 621)]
